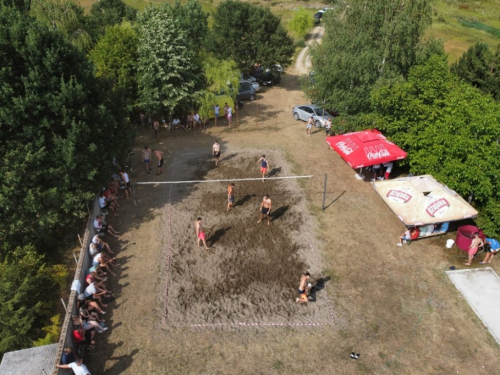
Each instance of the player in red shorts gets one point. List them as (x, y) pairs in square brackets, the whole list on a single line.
[(264, 166), (200, 233)]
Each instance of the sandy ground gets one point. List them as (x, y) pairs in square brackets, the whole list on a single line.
[(394, 306), (249, 273)]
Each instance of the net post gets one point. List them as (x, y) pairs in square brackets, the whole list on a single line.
[(324, 193)]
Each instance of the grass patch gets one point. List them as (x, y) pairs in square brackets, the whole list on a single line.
[(481, 26)]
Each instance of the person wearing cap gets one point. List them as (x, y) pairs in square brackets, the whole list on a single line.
[(474, 247), (491, 250), (78, 367)]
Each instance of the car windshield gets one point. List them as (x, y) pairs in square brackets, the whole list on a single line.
[(321, 112)]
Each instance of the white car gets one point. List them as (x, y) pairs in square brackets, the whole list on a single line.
[(255, 85), (306, 111)]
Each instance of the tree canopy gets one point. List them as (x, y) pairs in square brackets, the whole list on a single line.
[(301, 22), (364, 41), (479, 67), (59, 125), (249, 34), (115, 57), (449, 129), (167, 73), (105, 13)]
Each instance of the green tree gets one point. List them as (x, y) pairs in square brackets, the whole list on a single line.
[(449, 129), (301, 22), (26, 289), (249, 34), (65, 16), (193, 20), (167, 73), (105, 13), (364, 41), (220, 75), (59, 128), (115, 57), (479, 67)]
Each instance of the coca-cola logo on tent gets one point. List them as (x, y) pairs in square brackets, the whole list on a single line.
[(376, 152), (347, 146), (437, 207), (398, 196)]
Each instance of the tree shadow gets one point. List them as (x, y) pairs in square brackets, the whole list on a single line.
[(329, 204), (274, 172), (122, 363), (279, 212), (243, 200), (218, 235), (318, 287)]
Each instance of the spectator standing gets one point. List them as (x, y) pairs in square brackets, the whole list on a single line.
[(388, 169), (146, 157)]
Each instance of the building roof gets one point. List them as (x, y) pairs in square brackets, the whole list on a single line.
[(29, 361)]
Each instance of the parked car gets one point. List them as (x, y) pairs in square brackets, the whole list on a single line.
[(246, 92), (304, 112), (269, 77), (255, 85)]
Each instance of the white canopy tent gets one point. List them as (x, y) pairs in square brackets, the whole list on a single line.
[(421, 200)]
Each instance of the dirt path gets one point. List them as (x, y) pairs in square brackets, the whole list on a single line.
[(303, 62)]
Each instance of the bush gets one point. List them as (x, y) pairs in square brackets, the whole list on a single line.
[(301, 22)]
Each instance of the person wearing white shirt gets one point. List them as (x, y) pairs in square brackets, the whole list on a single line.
[(78, 367)]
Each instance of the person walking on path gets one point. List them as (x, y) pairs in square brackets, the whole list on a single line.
[(328, 127), (161, 161), (126, 183), (230, 196), (304, 287), (156, 127), (146, 157), (474, 247), (265, 209), (216, 112), (491, 250), (200, 233), (230, 116), (309, 125), (226, 107), (216, 152), (264, 166)]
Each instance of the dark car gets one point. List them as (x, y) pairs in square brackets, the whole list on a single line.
[(246, 91), (269, 77)]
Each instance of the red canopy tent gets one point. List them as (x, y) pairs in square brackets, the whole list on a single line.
[(365, 148)]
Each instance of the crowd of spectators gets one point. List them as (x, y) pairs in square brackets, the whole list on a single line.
[(94, 296)]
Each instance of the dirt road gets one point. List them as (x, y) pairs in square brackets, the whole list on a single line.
[(303, 63)]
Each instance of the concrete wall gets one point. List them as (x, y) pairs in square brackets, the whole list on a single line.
[(84, 263)]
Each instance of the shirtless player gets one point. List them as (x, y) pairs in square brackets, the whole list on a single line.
[(304, 287), (230, 196), (161, 161), (265, 209), (146, 156), (200, 233), (216, 152)]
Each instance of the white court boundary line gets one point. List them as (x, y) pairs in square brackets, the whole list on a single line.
[(225, 180), (168, 263)]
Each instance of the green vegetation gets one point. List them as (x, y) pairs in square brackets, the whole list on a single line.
[(301, 22), (449, 128), (249, 34)]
